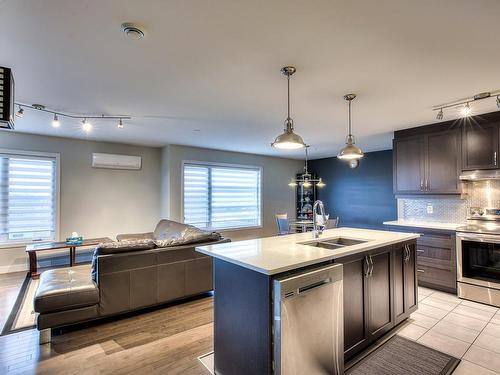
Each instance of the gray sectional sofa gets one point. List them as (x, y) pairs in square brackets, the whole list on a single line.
[(137, 271)]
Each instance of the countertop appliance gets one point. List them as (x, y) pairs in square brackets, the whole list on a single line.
[(478, 256), (308, 324)]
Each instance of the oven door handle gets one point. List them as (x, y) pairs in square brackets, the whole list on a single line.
[(478, 238)]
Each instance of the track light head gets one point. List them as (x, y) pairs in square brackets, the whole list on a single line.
[(466, 110), (55, 122), (440, 114), (20, 112), (86, 126), (120, 124)]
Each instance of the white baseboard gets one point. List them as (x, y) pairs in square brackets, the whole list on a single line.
[(13, 268)]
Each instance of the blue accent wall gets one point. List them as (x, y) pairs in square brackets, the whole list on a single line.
[(360, 197)]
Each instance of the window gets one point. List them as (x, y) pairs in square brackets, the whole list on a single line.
[(222, 197), (28, 196)]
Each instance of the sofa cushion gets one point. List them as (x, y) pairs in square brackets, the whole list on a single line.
[(171, 233), (134, 236), (65, 289), (118, 247), (125, 245)]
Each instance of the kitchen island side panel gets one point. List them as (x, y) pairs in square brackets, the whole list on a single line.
[(242, 320)]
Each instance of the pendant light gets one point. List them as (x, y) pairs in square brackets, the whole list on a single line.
[(306, 179), (288, 140), (350, 151)]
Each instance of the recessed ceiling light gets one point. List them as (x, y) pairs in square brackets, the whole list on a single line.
[(132, 30)]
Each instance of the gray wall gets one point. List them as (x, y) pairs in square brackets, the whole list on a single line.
[(276, 173), (94, 202), (360, 197), (105, 202)]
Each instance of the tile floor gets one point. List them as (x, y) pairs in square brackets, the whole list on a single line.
[(464, 329)]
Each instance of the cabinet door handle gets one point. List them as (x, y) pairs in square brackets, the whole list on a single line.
[(495, 158), (420, 251), (422, 271), (421, 185), (426, 184), (371, 266), (367, 266)]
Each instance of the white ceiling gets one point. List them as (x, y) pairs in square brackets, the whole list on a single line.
[(215, 66)]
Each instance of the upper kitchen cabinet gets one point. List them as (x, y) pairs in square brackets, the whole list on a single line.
[(442, 157), (409, 165), (427, 163), (480, 146)]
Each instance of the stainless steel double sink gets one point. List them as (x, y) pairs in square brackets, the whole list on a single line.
[(333, 243)]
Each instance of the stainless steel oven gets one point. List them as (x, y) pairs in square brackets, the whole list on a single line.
[(478, 267)]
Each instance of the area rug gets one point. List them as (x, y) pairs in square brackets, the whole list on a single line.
[(399, 355), (207, 360), (22, 315)]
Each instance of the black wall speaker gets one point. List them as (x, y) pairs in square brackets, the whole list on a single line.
[(6, 98)]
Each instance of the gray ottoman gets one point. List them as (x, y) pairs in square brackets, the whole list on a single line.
[(62, 295)]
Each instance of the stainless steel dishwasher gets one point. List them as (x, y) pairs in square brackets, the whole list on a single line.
[(308, 324)]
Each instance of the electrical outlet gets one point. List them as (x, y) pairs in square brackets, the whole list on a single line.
[(430, 209)]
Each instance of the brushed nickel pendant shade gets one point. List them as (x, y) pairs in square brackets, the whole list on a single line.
[(350, 151), (288, 140)]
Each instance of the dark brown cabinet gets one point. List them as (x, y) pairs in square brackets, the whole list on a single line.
[(442, 157), (405, 281), (480, 146), (355, 316), (409, 165), (436, 261), (380, 306), (427, 163), (370, 287)]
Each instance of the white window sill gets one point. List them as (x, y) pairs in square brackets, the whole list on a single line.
[(7, 245)]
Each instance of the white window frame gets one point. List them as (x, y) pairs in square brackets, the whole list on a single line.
[(57, 158), (226, 165)]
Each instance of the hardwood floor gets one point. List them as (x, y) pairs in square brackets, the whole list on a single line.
[(163, 341)]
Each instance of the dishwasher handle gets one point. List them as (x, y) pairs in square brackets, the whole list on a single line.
[(305, 282), (314, 285)]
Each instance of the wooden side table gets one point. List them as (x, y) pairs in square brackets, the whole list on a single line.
[(32, 249)]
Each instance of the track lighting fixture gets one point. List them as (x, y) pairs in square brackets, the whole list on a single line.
[(466, 110), (465, 106), (55, 122), (440, 114), (20, 112), (86, 126)]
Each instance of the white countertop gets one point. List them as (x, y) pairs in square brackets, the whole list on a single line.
[(272, 255), (424, 224)]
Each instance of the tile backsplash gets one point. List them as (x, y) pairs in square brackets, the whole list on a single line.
[(451, 209)]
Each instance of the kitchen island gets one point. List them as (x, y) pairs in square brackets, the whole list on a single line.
[(379, 282)]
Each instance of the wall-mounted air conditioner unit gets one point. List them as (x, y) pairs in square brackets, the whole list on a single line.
[(113, 161)]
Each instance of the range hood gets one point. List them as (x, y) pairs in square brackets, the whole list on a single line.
[(492, 174)]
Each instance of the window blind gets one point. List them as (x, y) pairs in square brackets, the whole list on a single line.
[(218, 197), (27, 198)]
